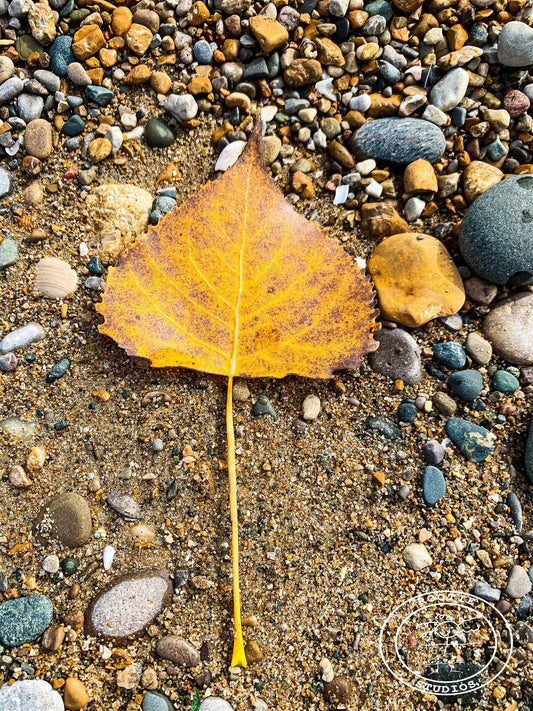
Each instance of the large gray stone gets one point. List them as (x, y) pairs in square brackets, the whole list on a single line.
[(515, 45), (400, 140), (496, 234), (398, 356), (34, 694)]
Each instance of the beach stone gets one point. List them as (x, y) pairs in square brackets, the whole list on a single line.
[(450, 354), (400, 140), (486, 592), (433, 485), (182, 107), (448, 91), (433, 452), (509, 329), (124, 505), (8, 252), (302, 71), (467, 384), (65, 518), (178, 650), (24, 619), (478, 177), (88, 40), (515, 45), (99, 94), (34, 694), (515, 510), (518, 582), (515, 103), (38, 139), (10, 89), (407, 411), (311, 407), (29, 107), (398, 356), (478, 349), (480, 291), (8, 363), (338, 690), (158, 134), (61, 55), (415, 279), (215, 703), (6, 182), (75, 694), (416, 556), (382, 426), (379, 219), (129, 603), (77, 74), (73, 126), (156, 701), (119, 206), (419, 177), (42, 23), (270, 33), (99, 149), (529, 453), (496, 238), (473, 441), (444, 404), (138, 38), (121, 20), (505, 382), (7, 69), (271, 149)]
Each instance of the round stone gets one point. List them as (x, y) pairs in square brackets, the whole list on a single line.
[(178, 650), (38, 138), (467, 384), (65, 518), (34, 694), (433, 485), (24, 619), (398, 356), (407, 411), (515, 45), (509, 329), (158, 134), (518, 582), (473, 441), (505, 382), (495, 237), (400, 140), (450, 354), (478, 349), (215, 703), (156, 701), (434, 452), (129, 603)]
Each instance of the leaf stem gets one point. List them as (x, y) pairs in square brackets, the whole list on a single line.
[(238, 658)]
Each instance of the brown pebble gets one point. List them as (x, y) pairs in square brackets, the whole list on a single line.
[(74, 619), (74, 591), (253, 652), (18, 477), (75, 695), (339, 690), (53, 638)]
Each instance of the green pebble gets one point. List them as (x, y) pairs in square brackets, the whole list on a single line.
[(8, 252), (505, 382), (263, 406), (158, 134)]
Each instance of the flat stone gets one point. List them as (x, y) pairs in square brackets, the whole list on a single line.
[(444, 404), (416, 556), (17, 429), (302, 72), (178, 650), (495, 237), (415, 279), (515, 45), (99, 94), (382, 426), (505, 382), (467, 384), (156, 701), (486, 592), (478, 348), (34, 694), (124, 505), (129, 603), (448, 91), (518, 582), (478, 177), (119, 206), (400, 140), (509, 329), (38, 139), (433, 485), (473, 441), (480, 291), (24, 619), (65, 518), (8, 252), (398, 356)]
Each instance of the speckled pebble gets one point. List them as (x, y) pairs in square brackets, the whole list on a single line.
[(450, 354), (433, 485), (473, 441), (34, 694)]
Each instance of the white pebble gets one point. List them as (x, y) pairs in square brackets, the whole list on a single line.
[(21, 337), (326, 669), (311, 407), (434, 115), (229, 155), (319, 138), (341, 194), (374, 189), (413, 208), (360, 103), (83, 249), (109, 554), (51, 564), (366, 166)]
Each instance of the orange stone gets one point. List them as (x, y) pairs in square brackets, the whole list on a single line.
[(415, 279)]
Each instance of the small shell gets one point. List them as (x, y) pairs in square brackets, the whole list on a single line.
[(55, 279), (109, 554)]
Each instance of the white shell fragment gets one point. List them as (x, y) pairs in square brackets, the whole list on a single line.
[(109, 554), (55, 279)]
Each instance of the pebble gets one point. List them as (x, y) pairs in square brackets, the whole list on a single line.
[(509, 329), (398, 356), (156, 701), (34, 694), (473, 441), (215, 703), (182, 107), (58, 370), (486, 592), (478, 177), (434, 452), (382, 426), (22, 337), (505, 382), (229, 155), (38, 139), (311, 407), (450, 354), (433, 485), (178, 650), (495, 234), (415, 279), (8, 252), (263, 406), (518, 582), (515, 45), (24, 619), (65, 518), (448, 92), (6, 182), (338, 690), (129, 603), (416, 556), (400, 140), (8, 363), (158, 134), (478, 348), (515, 510), (75, 694), (529, 454), (467, 384), (124, 505)]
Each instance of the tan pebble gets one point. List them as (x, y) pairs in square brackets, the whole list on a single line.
[(42, 22), (54, 278), (75, 695), (99, 149), (38, 138), (202, 85), (121, 20), (108, 57), (338, 691), (241, 391), (478, 176), (52, 638), (198, 14), (37, 236), (341, 154), (95, 485), (160, 82), (270, 33), (419, 177), (367, 51), (118, 206), (303, 71), (138, 38), (36, 459), (249, 621), (149, 679), (302, 184), (74, 619), (18, 477), (142, 533), (329, 53), (253, 652), (424, 535), (138, 75), (88, 40), (74, 591), (33, 194)]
